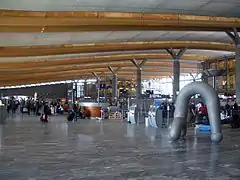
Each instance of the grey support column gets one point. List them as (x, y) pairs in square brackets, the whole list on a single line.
[(75, 90), (236, 39), (227, 72), (214, 82), (97, 86), (114, 82), (204, 67), (238, 73), (139, 117), (138, 83), (85, 91), (139, 77), (70, 92), (176, 69)]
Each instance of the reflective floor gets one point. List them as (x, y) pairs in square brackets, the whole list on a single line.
[(88, 149)]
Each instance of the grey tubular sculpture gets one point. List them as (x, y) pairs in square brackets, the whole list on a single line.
[(179, 125)]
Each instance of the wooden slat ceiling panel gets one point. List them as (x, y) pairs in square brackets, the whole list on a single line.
[(23, 21), (80, 72), (62, 78), (94, 67), (95, 59), (45, 70), (21, 51)]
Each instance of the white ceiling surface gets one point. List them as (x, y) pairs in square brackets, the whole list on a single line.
[(28, 39), (210, 53), (198, 7)]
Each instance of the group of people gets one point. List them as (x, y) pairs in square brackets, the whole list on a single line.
[(12, 105), (34, 107), (78, 112), (30, 106), (198, 113), (51, 109)]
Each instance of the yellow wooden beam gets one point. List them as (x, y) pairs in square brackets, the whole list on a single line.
[(129, 70), (127, 75), (94, 67), (95, 59), (43, 50), (29, 21)]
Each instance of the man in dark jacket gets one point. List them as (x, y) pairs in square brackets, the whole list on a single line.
[(75, 110)]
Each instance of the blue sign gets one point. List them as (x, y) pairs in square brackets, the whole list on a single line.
[(157, 103)]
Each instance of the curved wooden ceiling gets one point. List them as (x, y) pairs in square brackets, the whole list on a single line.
[(94, 59), (44, 69), (28, 21), (22, 51)]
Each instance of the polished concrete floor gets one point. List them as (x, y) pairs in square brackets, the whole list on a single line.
[(88, 149)]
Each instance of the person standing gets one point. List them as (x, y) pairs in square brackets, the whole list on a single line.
[(28, 106), (235, 106), (37, 107), (75, 109), (46, 111), (227, 109)]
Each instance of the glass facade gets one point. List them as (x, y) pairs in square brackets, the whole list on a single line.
[(164, 85), (226, 82)]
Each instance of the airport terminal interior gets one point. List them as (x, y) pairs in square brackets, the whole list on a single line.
[(131, 89)]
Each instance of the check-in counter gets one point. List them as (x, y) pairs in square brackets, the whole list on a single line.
[(93, 109)]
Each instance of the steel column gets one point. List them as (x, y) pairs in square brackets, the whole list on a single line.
[(176, 77), (139, 83), (236, 39), (227, 72), (114, 83), (214, 82), (85, 88), (203, 68), (75, 91), (238, 73), (97, 86), (114, 86), (139, 67), (176, 69)]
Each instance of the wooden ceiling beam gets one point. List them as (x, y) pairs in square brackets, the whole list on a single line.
[(75, 77), (95, 67), (127, 70), (43, 50), (29, 21), (95, 59), (150, 62)]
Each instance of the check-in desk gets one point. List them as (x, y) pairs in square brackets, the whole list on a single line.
[(93, 109)]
